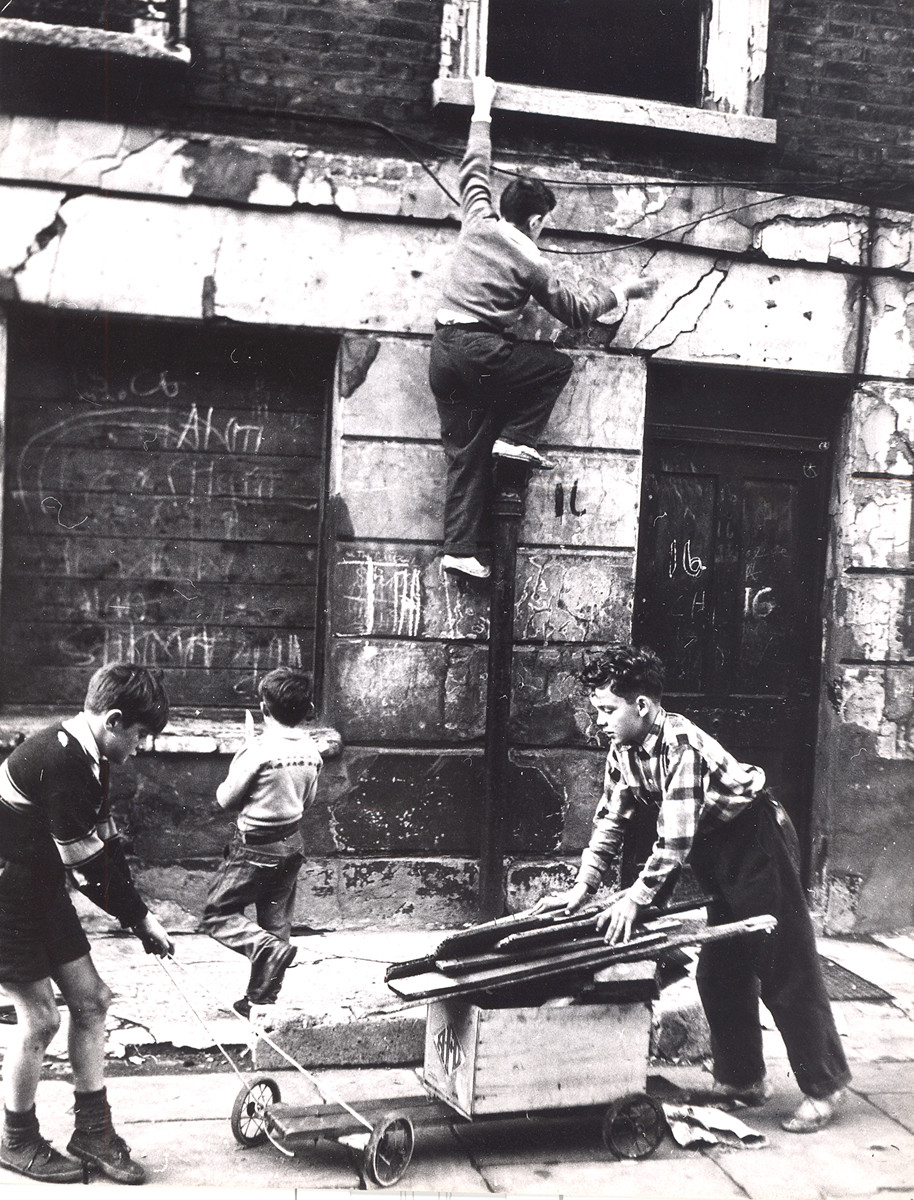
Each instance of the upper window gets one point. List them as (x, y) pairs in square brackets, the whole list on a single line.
[(102, 60), (695, 65)]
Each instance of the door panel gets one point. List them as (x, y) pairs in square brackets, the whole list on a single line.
[(728, 591)]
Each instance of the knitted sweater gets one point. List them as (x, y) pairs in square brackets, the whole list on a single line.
[(273, 779), (55, 818), (496, 268)]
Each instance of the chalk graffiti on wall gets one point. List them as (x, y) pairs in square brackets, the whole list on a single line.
[(387, 595), (44, 466), (200, 646), (194, 503)]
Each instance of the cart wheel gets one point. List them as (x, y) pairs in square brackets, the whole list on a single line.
[(634, 1126), (389, 1149), (250, 1110)]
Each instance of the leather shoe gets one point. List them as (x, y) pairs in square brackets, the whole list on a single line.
[(37, 1159), (106, 1150), (814, 1114)]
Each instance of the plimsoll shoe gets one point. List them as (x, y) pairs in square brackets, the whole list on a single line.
[(37, 1159), (814, 1114), (105, 1149), (523, 454), (752, 1094), (464, 565)]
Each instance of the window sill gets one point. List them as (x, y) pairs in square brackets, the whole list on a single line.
[(611, 110), (79, 37), (223, 733)]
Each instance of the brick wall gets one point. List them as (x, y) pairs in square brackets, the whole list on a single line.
[(842, 89), (840, 83), (361, 58)]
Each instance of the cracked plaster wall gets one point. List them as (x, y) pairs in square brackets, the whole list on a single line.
[(300, 269), (281, 239), (151, 163)]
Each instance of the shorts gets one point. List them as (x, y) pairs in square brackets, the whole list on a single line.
[(39, 927)]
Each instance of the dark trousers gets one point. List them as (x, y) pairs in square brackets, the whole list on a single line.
[(752, 865), (266, 877), (486, 386)]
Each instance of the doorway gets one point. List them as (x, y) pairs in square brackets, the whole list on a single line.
[(731, 556)]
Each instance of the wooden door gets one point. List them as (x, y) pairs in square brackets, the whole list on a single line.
[(728, 592)]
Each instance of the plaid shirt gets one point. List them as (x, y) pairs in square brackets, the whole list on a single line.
[(689, 775)]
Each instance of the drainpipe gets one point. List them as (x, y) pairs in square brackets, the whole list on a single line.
[(507, 513)]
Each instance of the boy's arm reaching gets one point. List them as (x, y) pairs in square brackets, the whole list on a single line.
[(475, 186), (580, 308), (89, 845)]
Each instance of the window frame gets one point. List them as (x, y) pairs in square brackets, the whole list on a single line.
[(732, 99), (152, 38)]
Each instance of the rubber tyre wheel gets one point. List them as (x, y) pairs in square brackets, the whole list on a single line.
[(250, 1110), (634, 1126), (389, 1150)]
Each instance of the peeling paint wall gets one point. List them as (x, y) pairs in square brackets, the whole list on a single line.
[(107, 218), (737, 56), (868, 816)]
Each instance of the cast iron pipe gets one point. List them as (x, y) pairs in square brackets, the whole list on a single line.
[(507, 513)]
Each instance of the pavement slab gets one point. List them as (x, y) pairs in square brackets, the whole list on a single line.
[(178, 1123), (864, 1153), (697, 1178)]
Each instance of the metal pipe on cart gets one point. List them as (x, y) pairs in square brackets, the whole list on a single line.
[(507, 512)]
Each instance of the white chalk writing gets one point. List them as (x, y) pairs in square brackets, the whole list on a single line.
[(759, 602), (691, 563), (389, 595)]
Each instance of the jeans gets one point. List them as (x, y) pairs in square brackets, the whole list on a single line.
[(751, 865), (265, 876), (486, 386)]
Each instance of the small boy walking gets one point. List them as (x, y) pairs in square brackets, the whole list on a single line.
[(55, 822), (270, 783), (717, 814), (494, 393)]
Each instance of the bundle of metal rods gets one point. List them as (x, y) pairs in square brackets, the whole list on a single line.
[(538, 946)]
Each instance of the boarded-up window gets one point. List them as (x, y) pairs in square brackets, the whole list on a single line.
[(162, 504)]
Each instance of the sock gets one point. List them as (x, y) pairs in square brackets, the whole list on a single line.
[(19, 1127), (90, 1109)]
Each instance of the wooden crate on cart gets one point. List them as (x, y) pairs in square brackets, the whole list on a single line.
[(501, 1060)]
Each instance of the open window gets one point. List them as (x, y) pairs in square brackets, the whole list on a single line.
[(692, 65)]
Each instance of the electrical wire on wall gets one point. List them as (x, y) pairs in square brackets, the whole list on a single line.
[(627, 243)]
